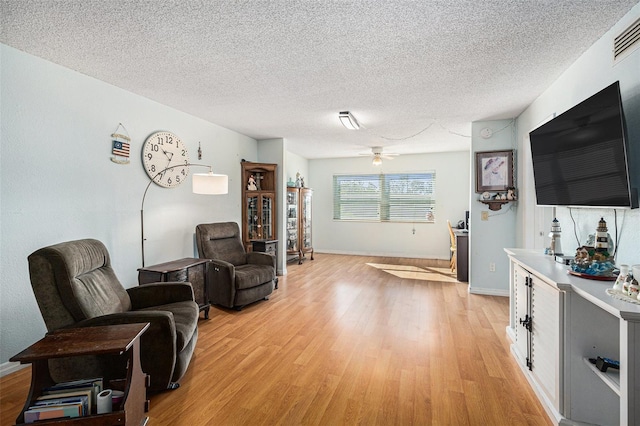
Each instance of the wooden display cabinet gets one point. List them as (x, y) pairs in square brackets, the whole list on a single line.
[(258, 202), (299, 222), (121, 340)]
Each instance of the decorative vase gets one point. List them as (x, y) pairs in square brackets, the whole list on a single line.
[(622, 276), (627, 283)]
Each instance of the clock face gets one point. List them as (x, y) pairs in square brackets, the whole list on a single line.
[(165, 159)]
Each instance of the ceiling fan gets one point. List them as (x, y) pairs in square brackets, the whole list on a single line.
[(378, 155)]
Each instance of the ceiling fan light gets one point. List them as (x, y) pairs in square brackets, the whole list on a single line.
[(376, 160), (348, 120)]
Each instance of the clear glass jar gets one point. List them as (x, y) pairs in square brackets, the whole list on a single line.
[(622, 276)]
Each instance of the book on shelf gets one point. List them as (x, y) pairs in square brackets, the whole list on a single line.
[(76, 398), (36, 413), (95, 385), (82, 397)]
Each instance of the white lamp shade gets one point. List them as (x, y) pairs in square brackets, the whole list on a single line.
[(376, 160), (209, 183)]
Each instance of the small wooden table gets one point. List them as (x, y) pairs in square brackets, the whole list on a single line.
[(189, 270), (104, 340), (265, 246)]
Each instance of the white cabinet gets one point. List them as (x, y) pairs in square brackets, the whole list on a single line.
[(574, 319), (537, 334), (546, 339), (521, 291)]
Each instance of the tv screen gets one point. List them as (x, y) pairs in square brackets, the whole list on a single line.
[(580, 158)]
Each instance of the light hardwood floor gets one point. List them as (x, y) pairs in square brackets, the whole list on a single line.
[(347, 340)]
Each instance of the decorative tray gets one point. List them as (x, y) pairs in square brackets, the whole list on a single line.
[(620, 296), (594, 277)]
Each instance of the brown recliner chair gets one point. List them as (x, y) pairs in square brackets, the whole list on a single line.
[(75, 286), (235, 277)]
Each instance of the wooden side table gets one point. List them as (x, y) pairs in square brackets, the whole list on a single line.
[(185, 270), (104, 340), (265, 246)]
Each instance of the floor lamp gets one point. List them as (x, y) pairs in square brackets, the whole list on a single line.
[(201, 183)]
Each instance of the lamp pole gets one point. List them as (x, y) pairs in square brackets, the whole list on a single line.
[(144, 196)]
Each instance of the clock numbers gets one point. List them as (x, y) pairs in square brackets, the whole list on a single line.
[(161, 161)]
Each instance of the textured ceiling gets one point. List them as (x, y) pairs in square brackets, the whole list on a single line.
[(414, 73)]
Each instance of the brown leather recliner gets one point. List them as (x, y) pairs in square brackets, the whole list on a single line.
[(235, 277), (75, 286)]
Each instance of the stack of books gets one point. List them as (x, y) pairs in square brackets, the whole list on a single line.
[(68, 399)]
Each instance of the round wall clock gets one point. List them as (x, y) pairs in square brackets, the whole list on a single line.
[(165, 159)]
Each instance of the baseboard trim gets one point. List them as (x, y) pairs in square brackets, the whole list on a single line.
[(7, 368), (375, 254), (489, 291)]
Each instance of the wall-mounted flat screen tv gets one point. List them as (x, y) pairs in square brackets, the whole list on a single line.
[(581, 157)]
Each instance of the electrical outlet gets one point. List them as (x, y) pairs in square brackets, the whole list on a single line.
[(492, 267), (484, 215)]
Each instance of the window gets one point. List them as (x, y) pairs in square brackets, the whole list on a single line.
[(398, 197)]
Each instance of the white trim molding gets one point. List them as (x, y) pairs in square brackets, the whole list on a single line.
[(7, 368)]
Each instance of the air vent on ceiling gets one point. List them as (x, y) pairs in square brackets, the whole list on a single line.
[(626, 42)]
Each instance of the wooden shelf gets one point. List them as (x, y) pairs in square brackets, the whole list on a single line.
[(115, 339), (495, 205)]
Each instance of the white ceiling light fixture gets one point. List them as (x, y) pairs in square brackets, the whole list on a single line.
[(377, 160), (348, 120)]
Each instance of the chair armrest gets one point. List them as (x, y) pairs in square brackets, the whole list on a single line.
[(221, 279), (225, 267), (156, 294), (162, 318), (157, 343), (261, 258)]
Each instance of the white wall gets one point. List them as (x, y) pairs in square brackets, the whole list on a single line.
[(592, 72), (273, 151), (58, 183), (487, 239), (430, 240), (297, 164)]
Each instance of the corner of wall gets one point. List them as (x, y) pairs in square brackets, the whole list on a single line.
[(490, 231)]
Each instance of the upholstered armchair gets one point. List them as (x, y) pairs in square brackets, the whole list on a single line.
[(75, 286), (235, 277)]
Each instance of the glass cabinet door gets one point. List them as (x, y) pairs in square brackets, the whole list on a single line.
[(292, 220), (268, 218), (306, 219), (252, 218)]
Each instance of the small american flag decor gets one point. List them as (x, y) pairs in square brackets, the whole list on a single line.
[(121, 146), (121, 149)]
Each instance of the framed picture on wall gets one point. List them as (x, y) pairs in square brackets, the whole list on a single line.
[(494, 170)]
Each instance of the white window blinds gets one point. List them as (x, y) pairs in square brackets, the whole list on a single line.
[(398, 197)]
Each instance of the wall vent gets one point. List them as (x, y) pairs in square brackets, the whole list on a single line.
[(626, 42)]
